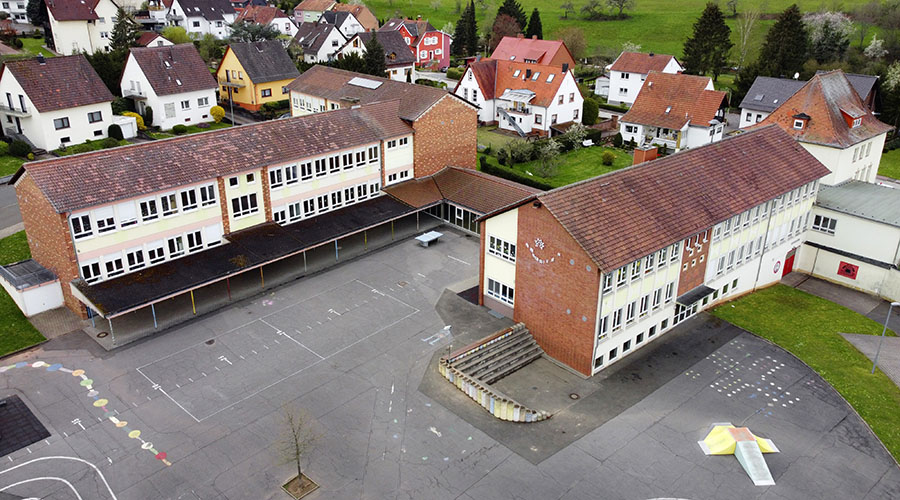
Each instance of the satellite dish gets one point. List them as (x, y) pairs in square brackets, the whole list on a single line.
[(796, 76)]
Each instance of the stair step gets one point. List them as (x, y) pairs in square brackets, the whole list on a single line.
[(489, 352), (534, 355), (491, 356), (501, 362)]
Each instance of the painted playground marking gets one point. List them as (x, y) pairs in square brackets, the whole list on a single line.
[(54, 478)]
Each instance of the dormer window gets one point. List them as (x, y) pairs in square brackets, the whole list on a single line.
[(800, 121), (798, 124), (856, 122)]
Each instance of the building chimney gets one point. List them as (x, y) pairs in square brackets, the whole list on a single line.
[(534, 37), (527, 74), (565, 67), (651, 54), (419, 17), (644, 154), (41, 60), (520, 35)]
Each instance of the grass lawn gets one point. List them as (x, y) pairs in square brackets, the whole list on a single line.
[(890, 164), (9, 164), (488, 136), (580, 164), (191, 129), (808, 327), (86, 147), (15, 331), (34, 46)]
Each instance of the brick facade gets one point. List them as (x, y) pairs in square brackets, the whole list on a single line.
[(223, 204), (49, 238), (556, 297), (266, 194), (445, 135), (693, 263)]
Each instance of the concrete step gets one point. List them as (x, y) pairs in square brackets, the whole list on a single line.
[(508, 357), (489, 354), (535, 354)]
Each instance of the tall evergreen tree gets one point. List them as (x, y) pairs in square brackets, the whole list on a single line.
[(374, 58), (471, 32), (786, 47), (707, 49), (36, 12), (458, 46), (465, 37), (534, 25), (125, 32), (512, 9)]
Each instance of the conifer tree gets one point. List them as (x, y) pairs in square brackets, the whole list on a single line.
[(786, 47), (707, 49), (374, 58), (512, 9), (534, 26), (471, 32), (125, 32)]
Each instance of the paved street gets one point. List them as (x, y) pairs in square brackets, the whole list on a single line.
[(10, 218), (196, 413)]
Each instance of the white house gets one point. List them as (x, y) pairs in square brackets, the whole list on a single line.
[(171, 80), (344, 21), (628, 72), (81, 25), (398, 58), (199, 17), (765, 96), (151, 39), (675, 111), (522, 97), (268, 15), (309, 11), (54, 102), (16, 10), (318, 42), (830, 120)]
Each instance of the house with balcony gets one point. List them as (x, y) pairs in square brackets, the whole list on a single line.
[(345, 21), (16, 10), (201, 17), (398, 58), (675, 111), (254, 73), (534, 51), (628, 72), (431, 46), (318, 42), (526, 98), (81, 25), (269, 16), (54, 102), (172, 81)]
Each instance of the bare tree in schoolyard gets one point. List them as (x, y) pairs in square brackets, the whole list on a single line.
[(298, 439)]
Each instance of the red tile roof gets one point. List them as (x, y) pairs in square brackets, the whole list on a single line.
[(174, 69), (73, 10), (541, 51), (826, 98), (315, 5), (472, 189), (670, 101), (260, 14), (361, 13), (638, 62), (485, 73), (496, 76), (59, 83), (150, 167), (630, 213), (147, 38)]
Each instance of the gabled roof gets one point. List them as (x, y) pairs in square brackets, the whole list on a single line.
[(864, 200), (361, 13), (336, 18), (315, 5), (485, 73), (147, 37), (211, 10), (472, 189), (142, 169), (416, 27), (73, 10), (862, 84), (311, 36), (671, 101), (265, 61), (335, 85), (174, 69), (639, 62), (59, 82), (396, 52), (828, 98), (767, 93), (261, 14), (512, 48), (521, 76), (628, 214)]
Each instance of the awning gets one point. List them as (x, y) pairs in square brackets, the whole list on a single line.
[(692, 297), (518, 95)]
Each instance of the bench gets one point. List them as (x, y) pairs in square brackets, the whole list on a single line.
[(428, 238)]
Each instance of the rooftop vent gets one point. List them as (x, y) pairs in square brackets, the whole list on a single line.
[(364, 82)]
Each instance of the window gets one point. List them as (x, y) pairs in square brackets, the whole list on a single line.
[(321, 167), (612, 354), (720, 265), (91, 272), (276, 178), (798, 124), (185, 105), (501, 292), (360, 158), (202, 102), (134, 258), (81, 226), (621, 276), (392, 144), (61, 123), (105, 219), (95, 117), (607, 282), (501, 248), (114, 266), (208, 195), (176, 247), (251, 178), (334, 163), (856, 122), (347, 160), (194, 241), (322, 203), (306, 172), (575, 114), (337, 200), (284, 89), (127, 214), (188, 200), (626, 346), (373, 154), (617, 318), (149, 210), (657, 297), (552, 119), (290, 174), (266, 93), (309, 207), (156, 252), (196, 24), (629, 311), (603, 329), (661, 258), (362, 192), (648, 262), (571, 96), (169, 204), (717, 232), (824, 224), (233, 181), (560, 99), (635, 270), (404, 141), (538, 118), (670, 290), (244, 205), (645, 306), (673, 255)]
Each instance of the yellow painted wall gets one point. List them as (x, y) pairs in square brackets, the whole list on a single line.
[(251, 94)]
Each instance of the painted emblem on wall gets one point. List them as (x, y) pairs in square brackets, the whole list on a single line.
[(777, 266), (847, 270), (539, 245)]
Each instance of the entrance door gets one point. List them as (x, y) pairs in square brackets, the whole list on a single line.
[(788, 262)]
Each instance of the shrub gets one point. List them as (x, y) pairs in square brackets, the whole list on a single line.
[(109, 142), (454, 73), (514, 176), (138, 118), (488, 149), (115, 132), (590, 110), (148, 117), (617, 140), (217, 112), (607, 158), (17, 43), (502, 156), (37, 34), (482, 160), (179, 129), (30, 156), (19, 148), (120, 105), (4, 148)]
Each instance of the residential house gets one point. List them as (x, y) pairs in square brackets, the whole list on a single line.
[(16, 10), (240, 5), (526, 98), (533, 51), (155, 19), (252, 74), (81, 25), (152, 39), (398, 58), (628, 72), (445, 125), (430, 46), (830, 120), (173, 81), (599, 269), (766, 95), (270, 16), (866, 87), (53, 102), (201, 17), (362, 14), (309, 11), (343, 20), (318, 42), (675, 111)]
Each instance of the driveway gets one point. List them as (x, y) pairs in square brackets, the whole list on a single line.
[(10, 217)]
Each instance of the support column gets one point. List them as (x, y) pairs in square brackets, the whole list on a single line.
[(392, 230), (417, 221), (153, 310), (304, 261), (365, 241), (262, 278), (335, 251), (91, 315), (193, 304), (228, 287), (111, 331)]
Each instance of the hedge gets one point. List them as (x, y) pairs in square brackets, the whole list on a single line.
[(513, 176)]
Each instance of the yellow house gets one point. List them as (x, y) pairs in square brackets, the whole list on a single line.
[(252, 74)]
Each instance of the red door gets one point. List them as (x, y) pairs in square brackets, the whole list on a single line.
[(788, 263)]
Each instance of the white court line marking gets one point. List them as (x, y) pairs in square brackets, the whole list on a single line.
[(279, 332), (48, 478), (459, 260), (60, 457), (261, 319)]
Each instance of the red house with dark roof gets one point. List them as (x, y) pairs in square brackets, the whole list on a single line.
[(431, 46)]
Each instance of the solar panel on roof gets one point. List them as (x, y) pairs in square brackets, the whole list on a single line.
[(364, 82), (759, 97)]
